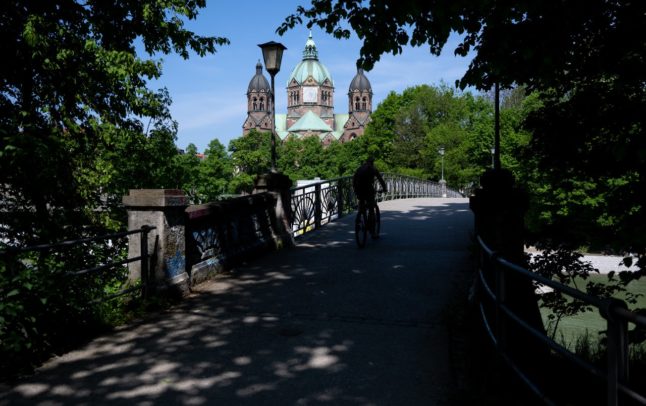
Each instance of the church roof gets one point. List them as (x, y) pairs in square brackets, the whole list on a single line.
[(281, 126), (309, 121), (259, 81), (310, 66), (360, 82), (340, 120)]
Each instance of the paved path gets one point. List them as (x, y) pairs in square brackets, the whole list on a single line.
[(323, 323)]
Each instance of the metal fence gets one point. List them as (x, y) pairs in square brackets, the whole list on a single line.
[(319, 203), (14, 257), (614, 311)]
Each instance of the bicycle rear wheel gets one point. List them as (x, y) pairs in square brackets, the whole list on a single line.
[(377, 229), (361, 229)]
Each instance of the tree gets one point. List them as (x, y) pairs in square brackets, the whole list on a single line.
[(541, 45), (188, 169), (251, 153), (301, 158), (75, 87), (250, 157), (215, 172)]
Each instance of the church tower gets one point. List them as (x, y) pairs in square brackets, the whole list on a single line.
[(258, 103), (359, 107), (310, 89), (310, 103)]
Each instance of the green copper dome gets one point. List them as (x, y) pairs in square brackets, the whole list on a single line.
[(310, 66)]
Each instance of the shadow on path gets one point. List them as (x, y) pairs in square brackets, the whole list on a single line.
[(322, 323)]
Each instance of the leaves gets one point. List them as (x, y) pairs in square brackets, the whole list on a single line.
[(74, 101)]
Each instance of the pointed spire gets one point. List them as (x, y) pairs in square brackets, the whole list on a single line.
[(258, 68)]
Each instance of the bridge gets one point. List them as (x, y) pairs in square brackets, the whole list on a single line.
[(320, 323)]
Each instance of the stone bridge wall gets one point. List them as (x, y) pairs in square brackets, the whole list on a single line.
[(192, 242)]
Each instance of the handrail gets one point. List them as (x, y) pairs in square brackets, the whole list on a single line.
[(68, 243), (320, 202), (613, 310), (143, 258)]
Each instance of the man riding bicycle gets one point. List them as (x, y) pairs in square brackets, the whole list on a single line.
[(363, 183)]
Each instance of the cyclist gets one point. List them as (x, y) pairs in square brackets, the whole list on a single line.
[(363, 183)]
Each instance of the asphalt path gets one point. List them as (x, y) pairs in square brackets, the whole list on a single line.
[(323, 323)]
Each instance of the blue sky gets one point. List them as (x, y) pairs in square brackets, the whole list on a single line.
[(209, 99)]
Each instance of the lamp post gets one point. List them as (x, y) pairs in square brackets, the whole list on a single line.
[(441, 152), (493, 152), (442, 181), (496, 131), (272, 53)]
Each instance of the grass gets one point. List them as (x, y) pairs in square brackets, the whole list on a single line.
[(590, 324), (583, 334)]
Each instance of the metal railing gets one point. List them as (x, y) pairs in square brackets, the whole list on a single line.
[(319, 203), (11, 256), (614, 311)]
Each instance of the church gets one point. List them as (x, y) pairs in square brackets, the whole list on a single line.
[(310, 103)]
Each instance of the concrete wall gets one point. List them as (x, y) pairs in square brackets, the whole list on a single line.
[(191, 243)]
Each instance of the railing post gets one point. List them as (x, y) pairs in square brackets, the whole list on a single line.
[(617, 350), (499, 208), (339, 198), (317, 206), (144, 262), (164, 210)]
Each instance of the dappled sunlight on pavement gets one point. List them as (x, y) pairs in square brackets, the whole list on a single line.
[(322, 323)]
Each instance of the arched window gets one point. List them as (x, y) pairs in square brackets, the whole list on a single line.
[(262, 103), (363, 103), (255, 104)]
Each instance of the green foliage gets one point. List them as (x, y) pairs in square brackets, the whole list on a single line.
[(44, 307), (73, 103), (215, 172), (301, 158), (542, 45), (408, 130), (251, 153)]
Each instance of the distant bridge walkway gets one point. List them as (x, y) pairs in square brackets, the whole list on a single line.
[(322, 323)]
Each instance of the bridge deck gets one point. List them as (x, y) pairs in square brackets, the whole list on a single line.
[(323, 323)]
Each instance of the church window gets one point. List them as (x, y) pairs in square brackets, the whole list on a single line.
[(262, 103), (363, 104), (255, 103)]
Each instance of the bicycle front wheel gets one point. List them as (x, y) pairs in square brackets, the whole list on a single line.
[(361, 229)]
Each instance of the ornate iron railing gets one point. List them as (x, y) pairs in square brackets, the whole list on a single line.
[(222, 234), (318, 203), (614, 311)]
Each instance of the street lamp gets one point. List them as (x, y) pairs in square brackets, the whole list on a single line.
[(442, 181), (493, 152), (441, 151), (272, 53)]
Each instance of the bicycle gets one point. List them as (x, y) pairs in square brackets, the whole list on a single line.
[(362, 226)]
